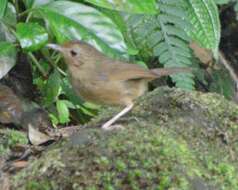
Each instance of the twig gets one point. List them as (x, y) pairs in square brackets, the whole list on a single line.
[(52, 63), (35, 61), (227, 65), (24, 13)]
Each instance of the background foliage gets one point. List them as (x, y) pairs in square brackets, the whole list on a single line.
[(142, 32)]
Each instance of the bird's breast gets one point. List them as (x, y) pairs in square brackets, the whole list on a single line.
[(109, 92)]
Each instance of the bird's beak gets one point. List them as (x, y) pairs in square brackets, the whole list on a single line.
[(55, 47)]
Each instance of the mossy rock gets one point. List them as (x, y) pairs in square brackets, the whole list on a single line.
[(173, 140), (9, 138)]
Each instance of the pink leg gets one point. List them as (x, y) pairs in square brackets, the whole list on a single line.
[(108, 124)]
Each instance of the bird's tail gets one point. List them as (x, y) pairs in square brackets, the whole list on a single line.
[(169, 71)]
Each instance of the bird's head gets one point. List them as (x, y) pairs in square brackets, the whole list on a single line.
[(76, 53)]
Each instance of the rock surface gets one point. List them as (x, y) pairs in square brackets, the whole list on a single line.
[(172, 140)]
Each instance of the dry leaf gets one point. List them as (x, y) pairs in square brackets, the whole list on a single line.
[(36, 137), (19, 164)]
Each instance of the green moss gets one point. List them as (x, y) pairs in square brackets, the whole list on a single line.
[(35, 185), (10, 138), (173, 140), (120, 165), (226, 173)]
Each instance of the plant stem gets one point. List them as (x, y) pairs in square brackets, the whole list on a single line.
[(24, 13), (28, 17), (52, 63), (16, 5), (61, 71), (35, 61)]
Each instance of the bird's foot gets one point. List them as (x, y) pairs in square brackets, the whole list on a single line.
[(113, 127)]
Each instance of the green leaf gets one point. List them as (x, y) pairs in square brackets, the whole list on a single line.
[(220, 2), (140, 29), (8, 20), (236, 9), (63, 111), (31, 36), (82, 107), (54, 119), (35, 3), (222, 83), (7, 57), (75, 21), (7, 48), (204, 18), (3, 6), (117, 18), (69, 92), (143, 64), (5, 34), (28, 3), (91, 105), (52, 88), (163, 36), (131, 6)]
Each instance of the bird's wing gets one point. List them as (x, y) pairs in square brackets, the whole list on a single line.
[(122, 71)]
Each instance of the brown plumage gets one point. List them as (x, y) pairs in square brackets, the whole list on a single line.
[(102, 80)]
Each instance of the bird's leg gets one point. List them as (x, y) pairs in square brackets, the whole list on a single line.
[(108, 124)]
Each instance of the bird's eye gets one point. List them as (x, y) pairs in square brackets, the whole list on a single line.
[(73, 53)]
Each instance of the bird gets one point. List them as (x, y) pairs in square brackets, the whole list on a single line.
[(103, 80)]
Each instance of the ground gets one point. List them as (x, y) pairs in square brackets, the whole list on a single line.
[(172, 139)]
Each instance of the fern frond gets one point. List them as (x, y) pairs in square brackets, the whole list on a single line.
[(164, 36), (204, 17), (176, 52)]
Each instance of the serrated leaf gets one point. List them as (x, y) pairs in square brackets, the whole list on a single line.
[(131, 6), (163, 36), (204, 17), (3, 6), (63, 111), (7, 57), (70, 21), (31, 36)]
